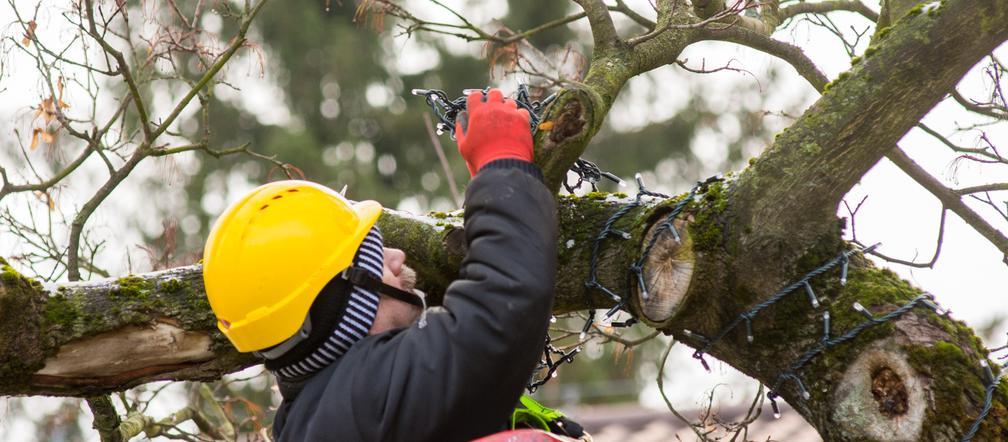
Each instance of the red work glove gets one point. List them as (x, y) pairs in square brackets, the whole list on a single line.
[(492, 128)]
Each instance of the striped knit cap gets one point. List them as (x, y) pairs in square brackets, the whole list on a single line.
[(356, 320)]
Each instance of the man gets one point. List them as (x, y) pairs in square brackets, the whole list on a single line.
[(298, 274)]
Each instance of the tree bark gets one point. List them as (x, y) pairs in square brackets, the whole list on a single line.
[(89, 338)]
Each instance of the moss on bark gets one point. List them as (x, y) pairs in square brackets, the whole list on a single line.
[(21, 307)]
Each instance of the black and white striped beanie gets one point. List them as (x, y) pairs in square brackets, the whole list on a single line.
[(354, 324)]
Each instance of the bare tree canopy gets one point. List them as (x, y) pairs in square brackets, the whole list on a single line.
[(750, 268)]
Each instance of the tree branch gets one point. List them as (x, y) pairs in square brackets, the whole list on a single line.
[(828, 6), (124, 70), (621, 6), (950, 199), (236, 43), (147, 147), (792, 54), (106, 418), (989, 110), (88, 338), (717, 12), (858, 119), (603, 29), (982, 188)]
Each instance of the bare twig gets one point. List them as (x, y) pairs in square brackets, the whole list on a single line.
[(930, 264), (661, 389), (950, 199), (828, 6), (985, 109), (445, 167), (988, 152), (993, 187), (826, 23), (123, 69), (793, 55)]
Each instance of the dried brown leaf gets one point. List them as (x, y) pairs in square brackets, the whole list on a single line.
[(504, 55), (29, 33), (35, 138), (372, 12), (45, 197)]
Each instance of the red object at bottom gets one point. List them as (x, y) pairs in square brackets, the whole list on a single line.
[(525, 435)]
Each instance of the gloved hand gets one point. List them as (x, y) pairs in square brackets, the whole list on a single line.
[(492, 128)]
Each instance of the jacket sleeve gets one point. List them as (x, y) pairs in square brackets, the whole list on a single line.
[(460, 377)]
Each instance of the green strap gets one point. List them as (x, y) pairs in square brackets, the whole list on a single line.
[(534, 414)]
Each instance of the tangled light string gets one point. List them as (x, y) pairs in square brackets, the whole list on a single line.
[(552, 358), (447, 111), (746, 317), (826, 342), (638, 266)]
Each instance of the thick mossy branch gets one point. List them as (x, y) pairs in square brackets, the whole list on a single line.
[(21, 321), (579, 112), (88, 338), (793, 189), (853, 397), (569, 124), (434, 246), (172, 303)]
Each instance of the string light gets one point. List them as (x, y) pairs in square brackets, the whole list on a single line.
[(447, 111), (992, 383), (637, 267), (748, 316), (589, 172), (552, 359), (608, 230), (826, 343)]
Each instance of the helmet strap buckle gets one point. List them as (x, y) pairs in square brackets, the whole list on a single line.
[(278, 350), (364, 279)]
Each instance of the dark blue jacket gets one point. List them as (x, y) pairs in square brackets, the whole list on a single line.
[(460, 377)]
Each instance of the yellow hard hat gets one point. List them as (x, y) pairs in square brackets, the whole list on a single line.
[(270, 253)]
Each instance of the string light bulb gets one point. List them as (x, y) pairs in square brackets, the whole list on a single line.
[(811, 295)]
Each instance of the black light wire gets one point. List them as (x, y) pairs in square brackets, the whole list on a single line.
[(637, 267), (447, 111)]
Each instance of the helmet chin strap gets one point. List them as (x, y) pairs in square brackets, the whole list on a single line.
[(363, 278)]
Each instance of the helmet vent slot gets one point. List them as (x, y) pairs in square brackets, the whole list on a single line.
[(292, 190), (264, 206), (277, 197)]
